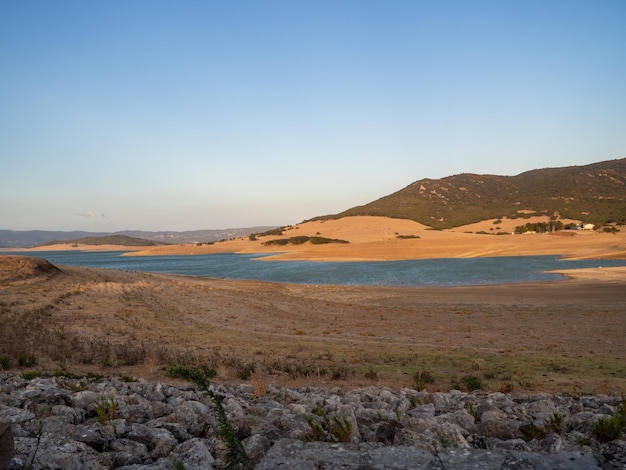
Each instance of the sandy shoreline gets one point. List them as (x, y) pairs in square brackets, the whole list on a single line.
[(596, 274)]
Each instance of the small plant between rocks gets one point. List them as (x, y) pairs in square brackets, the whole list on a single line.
[(236, 457), (327, 429), (607, 429), (106, 409), (555, 422)]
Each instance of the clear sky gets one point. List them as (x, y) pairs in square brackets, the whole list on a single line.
[(184, 115)]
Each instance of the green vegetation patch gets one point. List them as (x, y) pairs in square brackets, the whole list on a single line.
[(273, 232), (540, 227), (302, 239)]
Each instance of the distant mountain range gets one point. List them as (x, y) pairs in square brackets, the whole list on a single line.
[(29, 238), (594, 193)]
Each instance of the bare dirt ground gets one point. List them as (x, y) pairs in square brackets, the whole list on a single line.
[(565, 336)]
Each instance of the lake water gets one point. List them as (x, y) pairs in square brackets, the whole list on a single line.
[(431, 272)]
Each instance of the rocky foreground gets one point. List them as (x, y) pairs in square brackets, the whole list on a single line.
[(77, 424)]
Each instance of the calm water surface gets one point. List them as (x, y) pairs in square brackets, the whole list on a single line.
[(432, 272)]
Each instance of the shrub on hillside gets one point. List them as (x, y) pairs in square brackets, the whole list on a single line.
[(302, 239)]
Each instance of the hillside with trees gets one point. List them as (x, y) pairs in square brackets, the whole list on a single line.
[(594, 193)]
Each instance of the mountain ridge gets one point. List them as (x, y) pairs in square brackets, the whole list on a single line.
[(594, 193)]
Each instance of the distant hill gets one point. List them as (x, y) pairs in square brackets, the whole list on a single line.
[(121, 240), (28, 238), (593, 193)]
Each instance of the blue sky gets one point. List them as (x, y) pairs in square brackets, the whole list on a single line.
[(187, 115)]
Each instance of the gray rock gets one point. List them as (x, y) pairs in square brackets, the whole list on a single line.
[(492, 414), (98, 436), (460, 417), (233, 408), (154, 425), (52, 426), (471, 458), (192, 415), (195, 454), (135, 408), (562, 461), (400, 458), (298, 455), (86, 399), (612, 456), (580, 422), (427, 410), (6, 444), (15, 415), (179, 431), (386, 432), (511, 444), (500, 429), (127, 452), (69, 414), (159, 441), (446, 435), (256, 446), (59, 454)]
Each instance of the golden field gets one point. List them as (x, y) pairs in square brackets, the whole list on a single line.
[(376, 238)]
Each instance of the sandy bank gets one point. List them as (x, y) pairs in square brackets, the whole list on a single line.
[(380, 238), (596, 274)]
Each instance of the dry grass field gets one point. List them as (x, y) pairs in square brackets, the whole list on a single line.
[(566, 336), (381, 238)]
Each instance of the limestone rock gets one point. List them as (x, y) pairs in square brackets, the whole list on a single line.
[(59, 423), (6, 444)]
